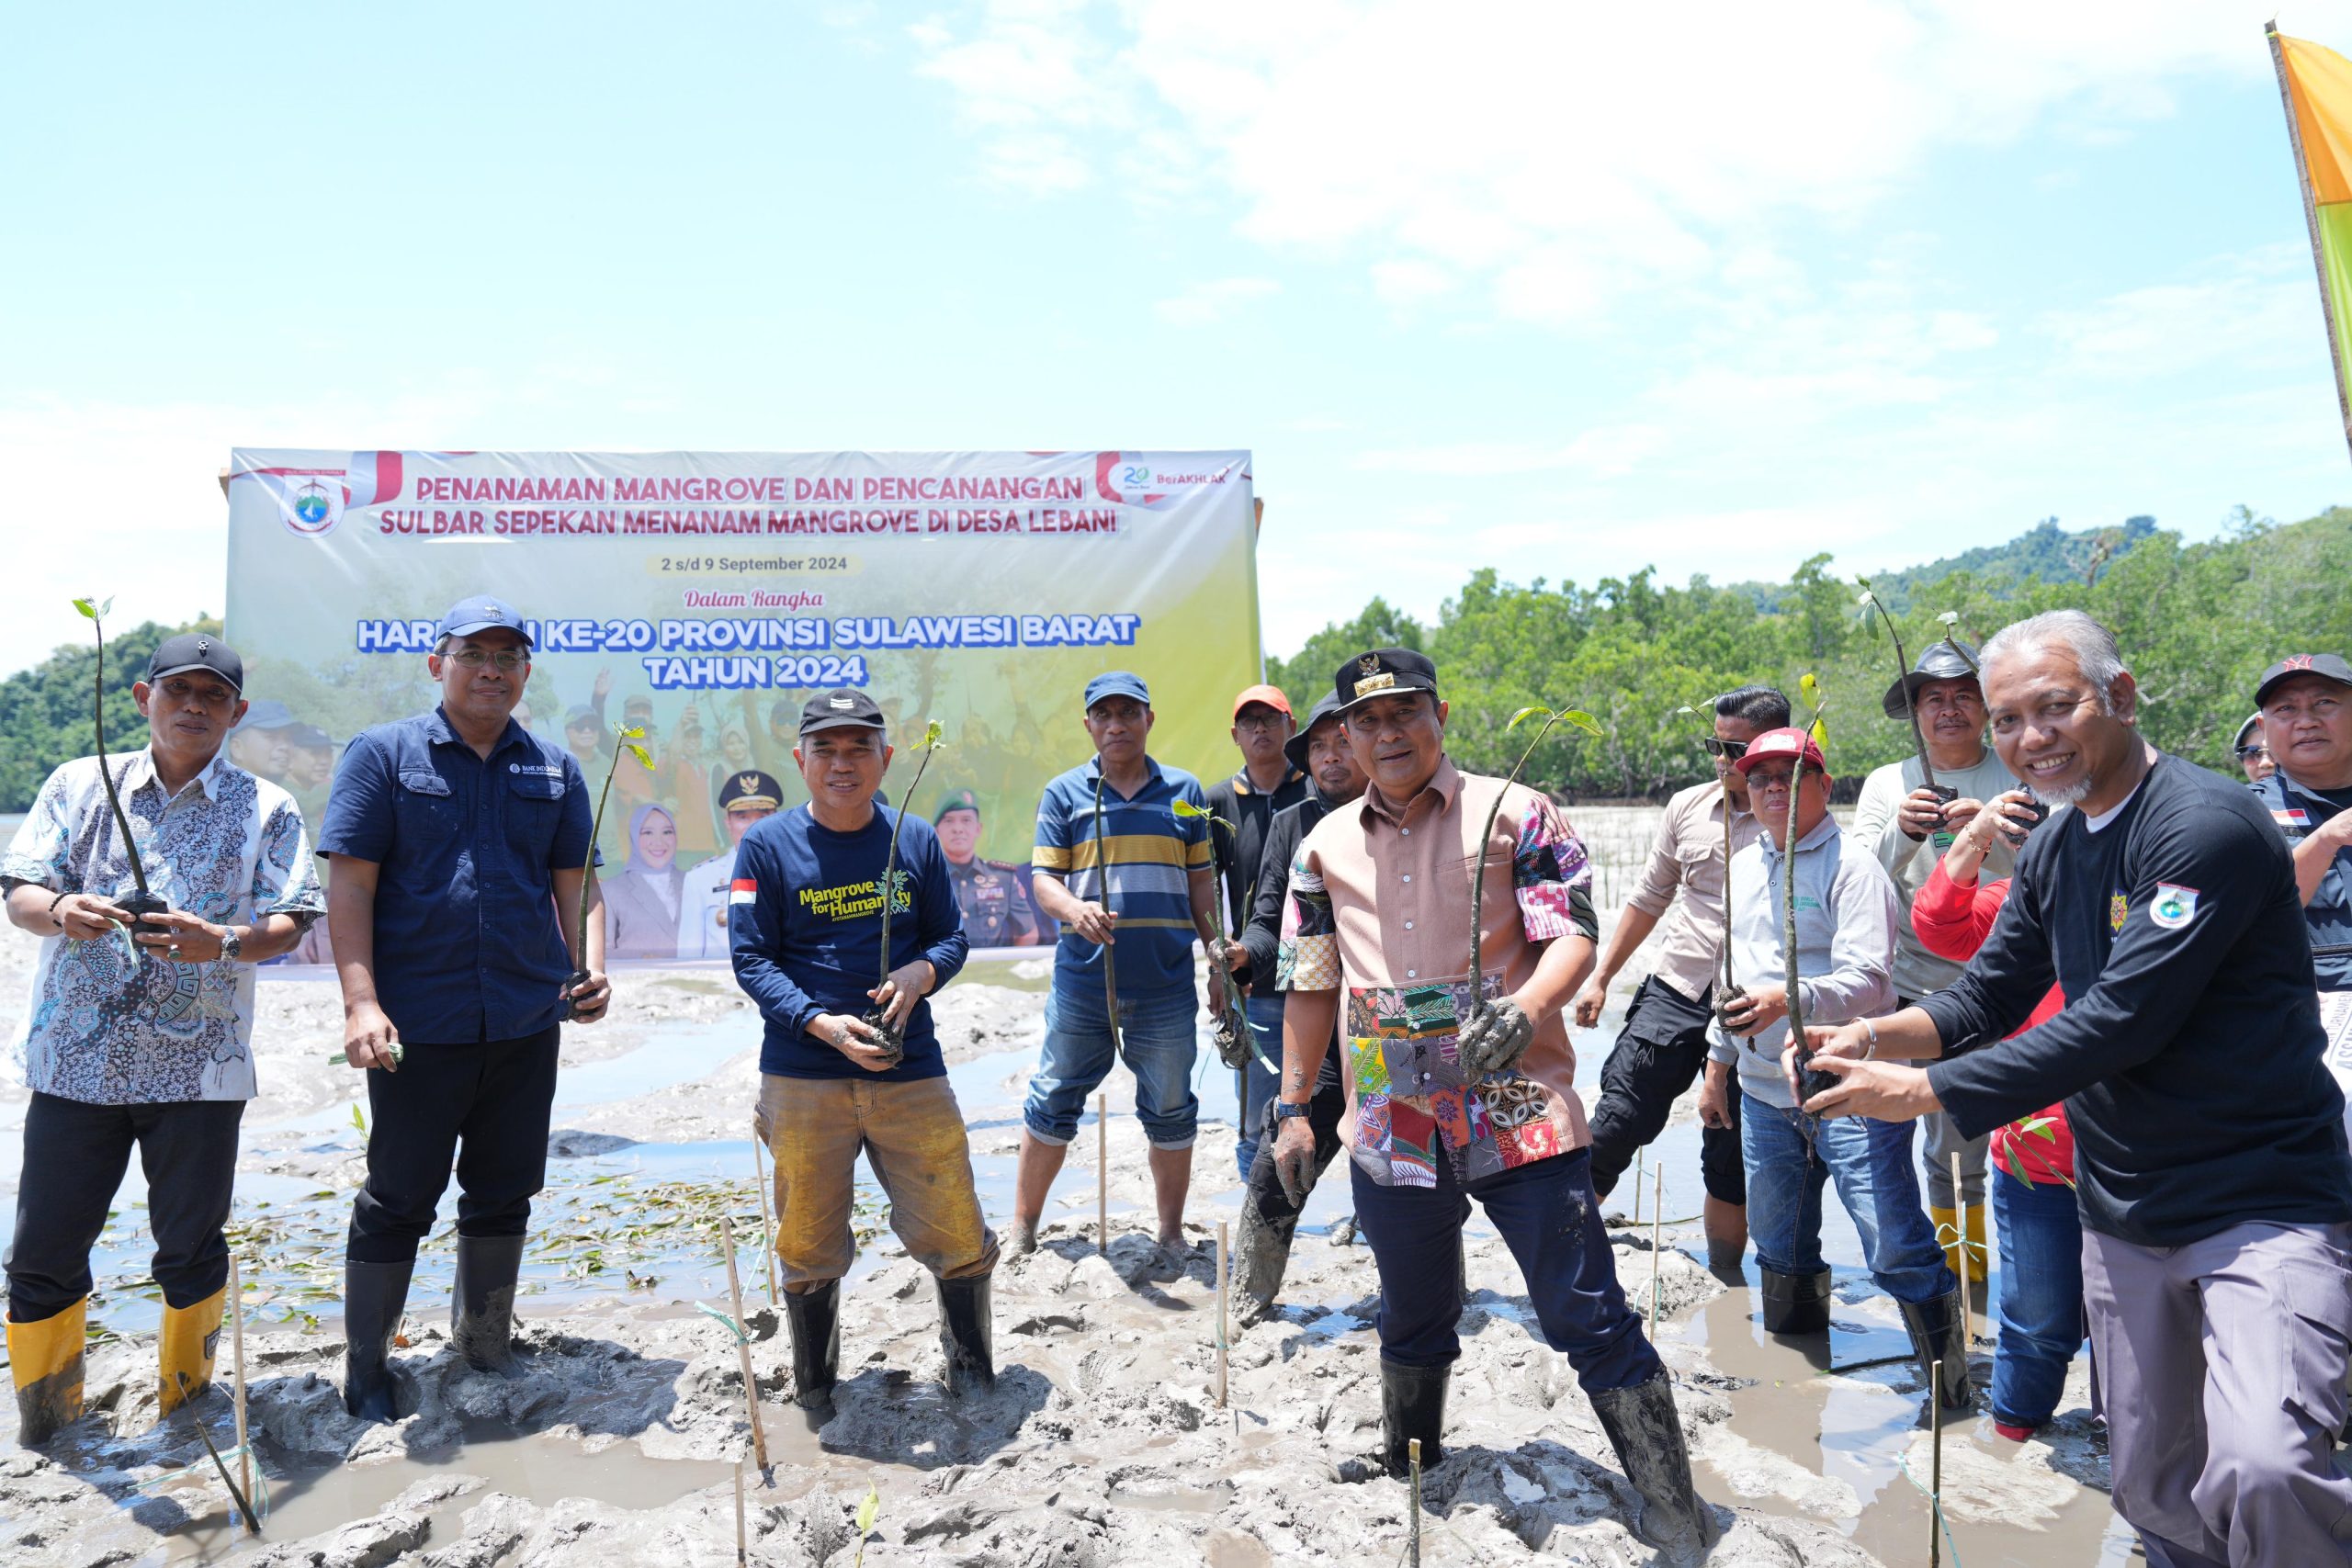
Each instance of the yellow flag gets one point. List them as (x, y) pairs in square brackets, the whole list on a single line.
[(2316, 86)]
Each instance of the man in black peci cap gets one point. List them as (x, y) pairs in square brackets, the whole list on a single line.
[(997, 910), (155, 1052), (745, 798), (2305, 703)]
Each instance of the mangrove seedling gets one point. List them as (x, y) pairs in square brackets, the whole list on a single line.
[(1236, 1041), (1870, 601), (629, 737), (894, 1040), (144, 902), (1810, 1079), (1950, 620), (1575, 718)]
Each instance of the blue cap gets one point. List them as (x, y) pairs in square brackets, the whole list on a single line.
[(480, 613), (268, 714), (1118, 683)]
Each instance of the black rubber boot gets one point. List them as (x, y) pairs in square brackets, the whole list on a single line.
[(966, 1334), (1260, 1257), (1796, 1303), (1939, 1333), (482, 1302), (1412, 1405), (816, 1318), (373, 1296), (1646, 1432)]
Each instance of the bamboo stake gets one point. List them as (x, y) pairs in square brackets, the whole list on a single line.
[(1637, 1184), (743, 1345), (2311, 222), (1960, 1218), (1658, 1244), (1936, 1447), (1102, 1173), (767, 1218), (1413, 1516), (1221, 1335), (743, 1553), (237, 1360)]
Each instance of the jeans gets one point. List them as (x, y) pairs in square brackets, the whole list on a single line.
[(912, 1135), (487, 1105), (1551, 1222), (1661, 1049), (1157, 1030), (1257, 1081), (2041, 1237), (1871, 1162), (74, 1157)]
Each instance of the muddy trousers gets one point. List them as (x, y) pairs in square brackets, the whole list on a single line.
[(1659, 1054), (2222, 1363), (484, 1105), (1550, 1220), (912, 1133), (75, 1159)]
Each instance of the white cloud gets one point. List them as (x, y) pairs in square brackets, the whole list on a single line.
[(1606, 451), (1212, 300)]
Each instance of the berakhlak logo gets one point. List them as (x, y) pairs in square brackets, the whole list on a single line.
[(312, 500), (1123, 481)]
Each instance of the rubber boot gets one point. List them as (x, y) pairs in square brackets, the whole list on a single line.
[(481, 1301), (373, 1296), (45, 1357), (1939, 1333), (1796, 1303), (1260, 1259), (1412, 1405), (1646, 1432), (185, 1348), (816, 1318), (1947, 1224), (966, 1334)]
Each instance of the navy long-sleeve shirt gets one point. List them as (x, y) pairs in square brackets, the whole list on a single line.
[(2188, 1053), (804, 922)]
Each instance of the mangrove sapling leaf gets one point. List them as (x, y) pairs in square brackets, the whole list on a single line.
[(867, 1512), (1236, 1041), (894, 1040), (144, 902), (1574, 718), (629, 737), (1951, 619), (1870, 601)]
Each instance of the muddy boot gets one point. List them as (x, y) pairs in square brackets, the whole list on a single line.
[(1260, 1259), (1646, 1432), (816, 1318), (1412, 1405), (966, 1334), (45, 1357), (185, 1348), (373, 1296), (1796, 1303), (1939, 1333), (481, 1301)]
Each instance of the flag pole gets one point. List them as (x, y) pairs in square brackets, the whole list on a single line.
[(2311, 224)]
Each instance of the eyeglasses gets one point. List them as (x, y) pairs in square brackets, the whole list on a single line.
[(1732, 751), (507, 660)]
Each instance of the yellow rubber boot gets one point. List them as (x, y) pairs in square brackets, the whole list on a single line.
[(1979, 1261), (1947, 1225), (46, 1359), (184, 1348)]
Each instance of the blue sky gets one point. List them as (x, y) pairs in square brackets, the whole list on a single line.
[(1511, 284)]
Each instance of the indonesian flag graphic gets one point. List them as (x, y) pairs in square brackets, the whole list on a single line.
[(743, 890)]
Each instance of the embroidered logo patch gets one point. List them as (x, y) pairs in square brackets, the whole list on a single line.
[(2174, 907), (2118, 905)]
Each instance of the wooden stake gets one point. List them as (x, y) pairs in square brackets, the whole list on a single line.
[(1220, 1313), (237, 1362), (1637, 1185), (1657, 1243), (1102, 1173), (1967, 1265), (1413, 1516), (743, 1346), (767, 1219), (1936, 1461), (743, 1553)]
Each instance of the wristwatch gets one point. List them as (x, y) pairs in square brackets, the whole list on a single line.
[(1284, 1110), (231, 949)]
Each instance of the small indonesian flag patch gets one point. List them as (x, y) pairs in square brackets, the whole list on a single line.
[(2294, 817), (2173, 906), (743, 890)]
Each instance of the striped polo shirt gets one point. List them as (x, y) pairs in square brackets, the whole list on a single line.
[(1150, 852)]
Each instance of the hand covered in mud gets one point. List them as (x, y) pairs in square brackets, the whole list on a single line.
[(589, 996), (1294, 1159), (1495, 1039), (1590, 1001), (1850, 1040), (853, 1038), (897, 995), (1756, 1009)]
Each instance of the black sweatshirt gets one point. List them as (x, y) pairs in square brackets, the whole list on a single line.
[(1241, 851), (2188, 1053)]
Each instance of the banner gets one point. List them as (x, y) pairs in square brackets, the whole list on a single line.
[(2316, 85), (707, 596)]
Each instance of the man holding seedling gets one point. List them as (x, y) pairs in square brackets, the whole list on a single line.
[(457, 848), (1907, 822), (1267, 781), (1663, 1046), (2210, 1157), (2306, 709), (151, 1046), (997, 911), (1115, 863), (1270, 1210), (808, 939), (745, 798), (1846, 913), (1462, 1086)]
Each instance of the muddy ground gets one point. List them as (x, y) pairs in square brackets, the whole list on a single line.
[(1104, 1443)]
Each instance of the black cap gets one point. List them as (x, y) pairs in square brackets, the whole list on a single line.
[(1325, 707), (956, 800), (2327, 666), (311, 737), (196, 651), (749, 787), (580, 714), (1382, 673), (843, 708), (1941, 661)]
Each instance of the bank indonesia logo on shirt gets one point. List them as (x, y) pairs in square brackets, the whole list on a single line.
[(2174, 907)]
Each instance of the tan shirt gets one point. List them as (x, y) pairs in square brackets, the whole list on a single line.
[(1688, 855), (1379, 906)]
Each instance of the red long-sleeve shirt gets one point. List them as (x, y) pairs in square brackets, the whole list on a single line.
[(1952, 921)]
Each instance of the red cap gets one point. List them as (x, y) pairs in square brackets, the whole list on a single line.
[(1270, 695), (1784, 743)]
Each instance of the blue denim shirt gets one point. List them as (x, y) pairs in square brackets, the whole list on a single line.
[(469, 943)]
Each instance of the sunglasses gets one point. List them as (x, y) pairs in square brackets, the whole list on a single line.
[(1732, 751), (2246, 753)]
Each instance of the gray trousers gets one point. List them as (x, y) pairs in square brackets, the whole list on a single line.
[(1942, 1140), (2222, 1365)]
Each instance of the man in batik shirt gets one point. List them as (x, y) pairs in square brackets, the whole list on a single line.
[(1460, 1090)]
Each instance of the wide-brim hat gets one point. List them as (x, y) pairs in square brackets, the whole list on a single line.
[(1325, 707), (1942, 660)]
